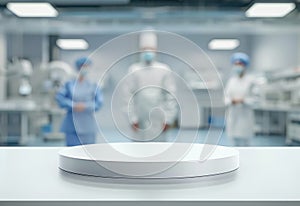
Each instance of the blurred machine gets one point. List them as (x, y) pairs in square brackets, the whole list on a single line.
[(19, 74), (279, 105), (14, 113), (283, 88), (289, 82), (47, 81), (30, 109)]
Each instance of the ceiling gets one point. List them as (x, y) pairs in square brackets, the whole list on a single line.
[(94, 16), (143, 3)]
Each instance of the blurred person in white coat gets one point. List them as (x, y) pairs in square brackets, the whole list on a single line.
[(149, 93), (240, 118)]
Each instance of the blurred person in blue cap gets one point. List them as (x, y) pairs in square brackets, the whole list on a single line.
[(239, 124), (81, 98)]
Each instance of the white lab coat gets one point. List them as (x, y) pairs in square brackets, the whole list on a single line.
[(240, 118), (149, 104)]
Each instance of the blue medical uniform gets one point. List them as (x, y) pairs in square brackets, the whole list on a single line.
[(79, 127)]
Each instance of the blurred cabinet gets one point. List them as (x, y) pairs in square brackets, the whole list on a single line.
[(193, 122), (293, 127), (13, 127), (269, 122), (18, 122), (210, 105)]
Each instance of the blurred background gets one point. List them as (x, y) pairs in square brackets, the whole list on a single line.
[(40, 43)]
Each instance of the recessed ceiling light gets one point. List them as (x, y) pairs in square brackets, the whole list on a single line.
[(72, 44), (223, 44), (30, 9), (270, 9)]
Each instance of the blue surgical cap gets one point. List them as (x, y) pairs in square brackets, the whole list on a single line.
[(82, 61), (240, 57)]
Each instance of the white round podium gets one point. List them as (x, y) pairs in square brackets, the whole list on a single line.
[(155, 160)]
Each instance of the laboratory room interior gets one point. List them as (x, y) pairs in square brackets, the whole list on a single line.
[(247, 92)]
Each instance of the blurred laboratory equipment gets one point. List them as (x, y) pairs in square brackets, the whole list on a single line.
[(19, 74), (48, 80), (277, 112), (14, 112), (51, 76), (282, 88), (29, 109)]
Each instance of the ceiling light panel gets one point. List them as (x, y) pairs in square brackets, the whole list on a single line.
[(270, 9), (223, 44), (72, 44), (31, 9)]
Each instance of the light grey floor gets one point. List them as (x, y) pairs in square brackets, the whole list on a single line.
[(113, 136)]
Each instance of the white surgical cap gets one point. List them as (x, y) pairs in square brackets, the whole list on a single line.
[(148, 40)]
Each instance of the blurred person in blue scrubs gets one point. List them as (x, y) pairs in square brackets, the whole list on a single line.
[(81, 98)]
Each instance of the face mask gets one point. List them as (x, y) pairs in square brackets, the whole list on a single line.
[(83, 72), (148, 57), (238, 70)]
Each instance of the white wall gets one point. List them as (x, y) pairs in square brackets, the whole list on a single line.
[(26, 46), (267, 52), (221, 59), (272, 52)]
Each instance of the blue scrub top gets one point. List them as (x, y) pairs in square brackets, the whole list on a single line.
[(85, 92)]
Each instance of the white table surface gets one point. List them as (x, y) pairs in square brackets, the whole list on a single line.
[(31, 173)]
